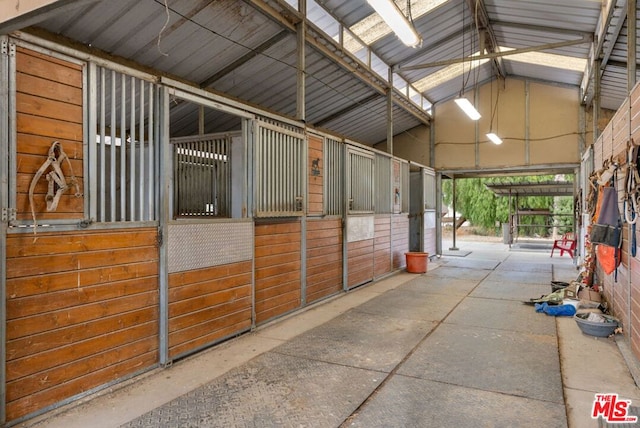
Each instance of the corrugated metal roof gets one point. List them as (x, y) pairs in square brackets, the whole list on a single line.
[(546, 188), (248, 50)]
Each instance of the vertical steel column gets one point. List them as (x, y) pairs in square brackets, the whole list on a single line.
[(432, 138), (390, 113), (5, 116), (201, 120), (632, 31), (253, 145), (151, 174), (304, 166), (631, 81), (510, 220), (453, 202), (527, 123), (438, 214), (476, 128), (582, 125), (301, 29), (596, 102), (166, 185), (345, 215)]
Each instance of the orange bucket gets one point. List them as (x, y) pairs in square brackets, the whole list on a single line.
[(417, 261)]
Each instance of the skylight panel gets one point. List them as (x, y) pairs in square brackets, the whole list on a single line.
[(564, 62), (373, 28)]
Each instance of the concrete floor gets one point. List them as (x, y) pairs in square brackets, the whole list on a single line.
[(452, 347)]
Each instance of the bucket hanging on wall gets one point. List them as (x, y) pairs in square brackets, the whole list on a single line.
[(417, 261)]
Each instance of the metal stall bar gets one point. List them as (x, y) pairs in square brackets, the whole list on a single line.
[(333, 177), (123, 185), (132, 152), (101, 188), (6, 116), (165, 215), (151, 150), (112, 149), (280, 157), (123, 145), (140, 211)]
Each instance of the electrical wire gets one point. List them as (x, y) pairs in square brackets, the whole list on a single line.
[(470, 143), (166, 8), (235, 42)]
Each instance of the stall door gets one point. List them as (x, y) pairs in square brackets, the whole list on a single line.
[(360, 224)]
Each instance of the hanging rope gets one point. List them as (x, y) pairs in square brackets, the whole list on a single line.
[(57, 181)]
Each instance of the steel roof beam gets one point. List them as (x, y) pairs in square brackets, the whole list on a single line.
[(328, 47), (245, 58), (597, 48), (479, 11), (499, 54)]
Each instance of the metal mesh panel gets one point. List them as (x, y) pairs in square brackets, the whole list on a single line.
[(333, 176), (202, 176), (196, 246), (383, 194), (124, 153), (280, 167), (361, 182)]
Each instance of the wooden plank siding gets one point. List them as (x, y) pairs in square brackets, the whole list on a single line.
[(316, 163), (278, 268), (82, 311), (622, 293), (430, 240), (399, 239), (208, 305), (359, 262), (382, 245), (324, 259), (49, 107), (635, 113)]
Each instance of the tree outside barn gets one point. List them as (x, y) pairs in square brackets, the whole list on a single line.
[(485, 212)]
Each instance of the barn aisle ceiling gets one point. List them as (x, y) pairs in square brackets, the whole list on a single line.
[(248, 50)]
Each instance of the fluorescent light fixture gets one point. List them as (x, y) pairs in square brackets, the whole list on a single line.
[(393, 16), (494, 138), (371, 28), (468, 108)]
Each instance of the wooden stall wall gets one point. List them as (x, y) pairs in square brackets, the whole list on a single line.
[(316, 184), (400, 239), (430, 232), (82, 311), (210, 282), (622, 292), (207, 305), (48, 108), (359, 262), (324, 258), (277, 268), (382, 245)]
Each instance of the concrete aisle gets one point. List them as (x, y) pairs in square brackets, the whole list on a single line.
[(453, 347)]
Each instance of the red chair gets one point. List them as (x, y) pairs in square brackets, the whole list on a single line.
[(566, 244)]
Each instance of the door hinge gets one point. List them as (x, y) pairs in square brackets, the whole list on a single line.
[(8, 215), (160, 238), (7, 48)]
